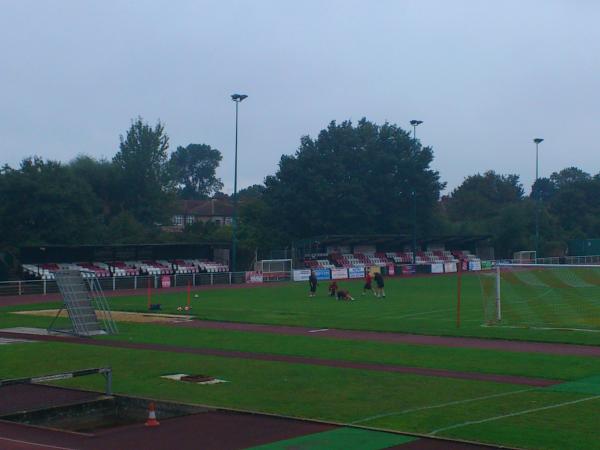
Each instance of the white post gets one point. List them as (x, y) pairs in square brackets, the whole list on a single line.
[(135, 282), (498, 298), (114, 284)]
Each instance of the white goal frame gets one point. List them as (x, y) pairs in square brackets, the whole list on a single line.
[(498, 283), (270, 273)]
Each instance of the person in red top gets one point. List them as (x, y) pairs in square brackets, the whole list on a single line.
[(333, 287), (368, 281)]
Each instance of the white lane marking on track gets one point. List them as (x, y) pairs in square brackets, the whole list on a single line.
[(319, 330), (19, 441), (518, 413), (586, 330), (442, 405)]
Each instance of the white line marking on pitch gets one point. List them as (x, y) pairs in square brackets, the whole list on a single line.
[(519, 413), (19, 441), (442, 405), (318, 331)]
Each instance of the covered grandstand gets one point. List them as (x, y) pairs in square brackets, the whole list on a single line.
[(346, 251), (125, 259)]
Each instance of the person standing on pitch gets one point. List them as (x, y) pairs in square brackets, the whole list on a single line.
[(312, 282), (367, 286), (379, 281), (333, 287)]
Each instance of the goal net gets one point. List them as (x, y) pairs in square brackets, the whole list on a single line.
[(553, 296), (274, 269)]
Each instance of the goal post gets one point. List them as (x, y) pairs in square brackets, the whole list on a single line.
[(553, 296), (274, 269)]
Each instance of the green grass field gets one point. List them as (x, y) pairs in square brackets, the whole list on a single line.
[(556, 417)]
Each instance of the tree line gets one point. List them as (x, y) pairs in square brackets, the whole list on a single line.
[(350, 179)]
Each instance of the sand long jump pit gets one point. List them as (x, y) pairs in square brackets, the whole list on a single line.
[(119, 316)]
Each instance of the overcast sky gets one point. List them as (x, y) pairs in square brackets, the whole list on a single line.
[(486, 77)]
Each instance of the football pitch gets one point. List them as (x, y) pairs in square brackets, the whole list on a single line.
[(401, 364)]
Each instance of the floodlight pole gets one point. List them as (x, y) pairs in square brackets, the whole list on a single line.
[(537, 142), (414, 230), (415, 123), (237, 98)]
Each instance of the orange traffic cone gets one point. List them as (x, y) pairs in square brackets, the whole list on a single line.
[(152, 422)]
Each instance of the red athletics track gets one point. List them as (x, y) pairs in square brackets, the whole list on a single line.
[(213, 429), (510, 379)]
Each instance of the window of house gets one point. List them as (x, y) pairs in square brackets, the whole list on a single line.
[(228, 221), (218, 221), (178, 220), (189, 220)]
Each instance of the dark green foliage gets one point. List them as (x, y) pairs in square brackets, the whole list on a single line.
[(42, 201), (141, 160), (481, 197), (192, 169), (352, 179)]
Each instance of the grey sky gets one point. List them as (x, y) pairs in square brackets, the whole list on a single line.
[(485, 77)]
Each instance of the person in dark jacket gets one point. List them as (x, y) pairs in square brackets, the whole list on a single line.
[(379, 291), (312, 283)]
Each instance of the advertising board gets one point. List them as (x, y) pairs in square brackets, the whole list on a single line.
[(322, 274), (437, 268), (474, 265), (254, 277), (449, 267), (409, 269), (339, 274), (356, 272), (301, 275)]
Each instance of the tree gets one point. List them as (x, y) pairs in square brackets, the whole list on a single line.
[(576, 202), (353, 179), (125, 229), (480, 197), (192, 169), (255, 191), (105, 180), (142, 161), (42, 202)]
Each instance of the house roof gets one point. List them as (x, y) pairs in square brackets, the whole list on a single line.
[(205, 208)]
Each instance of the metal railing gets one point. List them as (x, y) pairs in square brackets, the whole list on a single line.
[(44, 287), (573, 260)]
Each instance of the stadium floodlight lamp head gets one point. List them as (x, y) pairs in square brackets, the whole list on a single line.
[(538, 140), (238, 97), (414, 123)]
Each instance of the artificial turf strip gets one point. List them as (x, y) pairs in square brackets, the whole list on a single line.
[(340, 439), (589, 385)]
